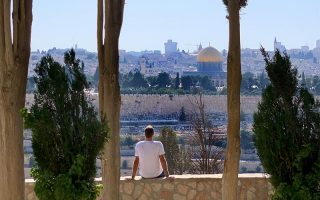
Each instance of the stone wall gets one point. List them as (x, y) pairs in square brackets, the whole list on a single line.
[(185, 187), (164, 104)]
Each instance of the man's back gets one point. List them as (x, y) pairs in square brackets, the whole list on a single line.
[(149, 152)]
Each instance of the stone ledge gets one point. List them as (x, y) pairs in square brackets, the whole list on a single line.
[(202, 176), (184, 187)]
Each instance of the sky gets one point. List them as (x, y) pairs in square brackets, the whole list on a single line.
[(149, 23)]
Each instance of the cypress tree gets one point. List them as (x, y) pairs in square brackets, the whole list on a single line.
[(66, 133), (177, 81), (287, 132)]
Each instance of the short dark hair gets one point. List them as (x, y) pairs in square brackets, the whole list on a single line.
[(148, 131)]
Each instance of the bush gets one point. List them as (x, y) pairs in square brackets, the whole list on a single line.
[(258, 169), (287, 133), (125, 164), (246, 142), (66, 133), (169, 140), (128, 141), (244, 169)]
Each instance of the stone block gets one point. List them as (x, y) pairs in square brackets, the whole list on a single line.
[(252, 189), (167, 195), (128, 188), (182, 189), (126, 197), (137, 191), (200, 186), (143, 197), (200, 196), (191, 194), (168, 186), (31, 196), (250, 195), (147, 190), (192, 184), (156, 187), (215, 195), (179, 197)]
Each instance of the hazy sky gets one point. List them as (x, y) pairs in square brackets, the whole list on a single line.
[(149, 23)]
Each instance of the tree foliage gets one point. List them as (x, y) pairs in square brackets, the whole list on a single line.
[(133, 80), (169, 141), (132, 83), (138, 80), (242, 3), (177, 81), (207, 84), (128, 141), (183, 160), (182, 115), (163, 80), (248, 81), (66, 133), (263, 80), (287, 132), (187, 82), (246, 140), (178, 156)]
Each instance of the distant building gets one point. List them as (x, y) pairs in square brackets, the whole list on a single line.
[(147, 70), (316, 51), (209, 63), (279, 46), (170, 47), (318, 44), (305, 48)]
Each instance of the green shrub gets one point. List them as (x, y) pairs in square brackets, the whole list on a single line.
[(258, 169), (287, 133), (169, 140), (66, 133), (243, 169), (246, 140)]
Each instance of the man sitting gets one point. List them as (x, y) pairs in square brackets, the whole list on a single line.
[(149, 156)]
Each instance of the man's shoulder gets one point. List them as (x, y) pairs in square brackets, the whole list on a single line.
[(157, 142), (152, 143), (139, 143)]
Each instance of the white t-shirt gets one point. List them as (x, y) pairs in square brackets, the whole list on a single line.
[(149, 162)]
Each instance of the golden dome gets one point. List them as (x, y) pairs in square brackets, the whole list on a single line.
[(209, 54)]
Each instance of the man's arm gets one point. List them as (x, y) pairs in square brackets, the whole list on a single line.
[(135, 167), (164, 165)]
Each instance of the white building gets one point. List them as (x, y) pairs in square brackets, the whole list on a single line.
[(318, 44), (170, 47)]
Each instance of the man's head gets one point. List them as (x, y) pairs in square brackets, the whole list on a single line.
[(148, 131)]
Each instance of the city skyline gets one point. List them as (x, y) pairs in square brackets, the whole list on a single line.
[(148, 24)]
